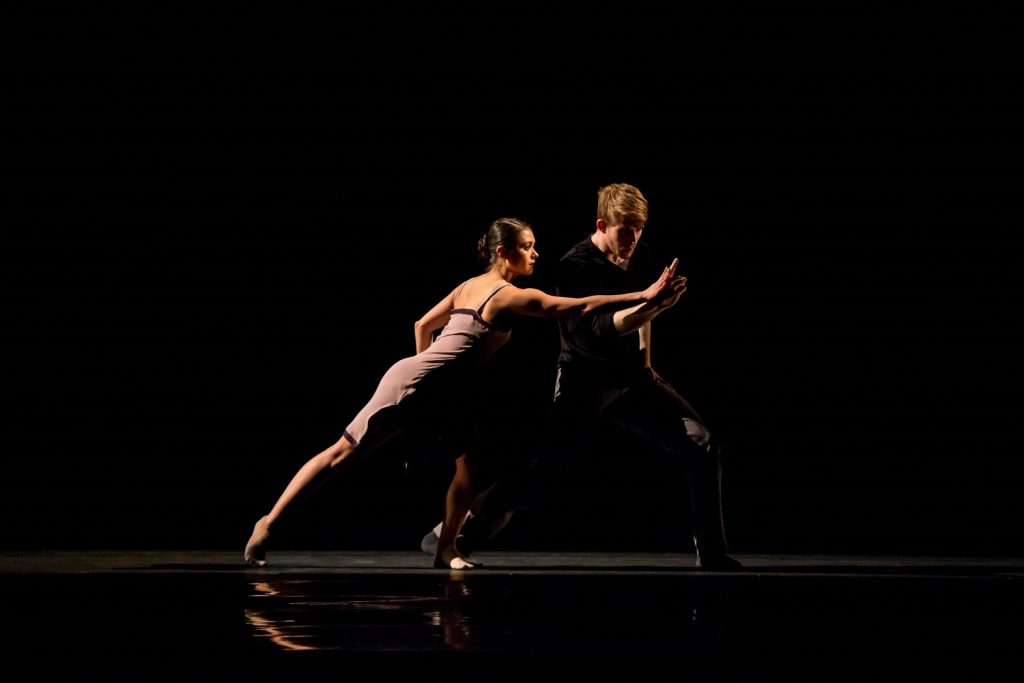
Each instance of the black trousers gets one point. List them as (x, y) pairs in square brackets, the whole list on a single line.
[(648, 408)]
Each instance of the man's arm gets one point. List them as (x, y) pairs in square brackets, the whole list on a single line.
[(636, 317), (576, 280)]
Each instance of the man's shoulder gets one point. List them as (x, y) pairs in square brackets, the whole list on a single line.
[(582, 250), (576, 266)]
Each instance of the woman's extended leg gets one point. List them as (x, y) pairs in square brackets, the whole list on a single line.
[(308, 479)]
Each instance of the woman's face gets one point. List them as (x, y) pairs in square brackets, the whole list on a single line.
[(522, 258)]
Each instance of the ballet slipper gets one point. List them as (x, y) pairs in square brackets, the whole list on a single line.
[(461, 563), (255, 552), (453, 561)]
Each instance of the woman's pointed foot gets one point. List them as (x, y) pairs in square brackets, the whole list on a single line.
[(255, 550)]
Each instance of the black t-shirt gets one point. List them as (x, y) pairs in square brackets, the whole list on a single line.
[(590, 346)]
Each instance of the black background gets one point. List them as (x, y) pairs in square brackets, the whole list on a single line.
[(222, 228)]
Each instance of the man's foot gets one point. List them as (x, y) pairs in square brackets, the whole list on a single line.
[(718, 562), (255, 552), (429, 542)]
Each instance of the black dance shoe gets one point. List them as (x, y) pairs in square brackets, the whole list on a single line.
[(717, 562)]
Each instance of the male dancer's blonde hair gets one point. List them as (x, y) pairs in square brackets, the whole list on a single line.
[(621, 203)]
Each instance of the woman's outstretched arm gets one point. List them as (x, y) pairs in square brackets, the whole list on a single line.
[(536, 302)]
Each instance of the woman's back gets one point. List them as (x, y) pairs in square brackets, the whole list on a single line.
[(443, 369)]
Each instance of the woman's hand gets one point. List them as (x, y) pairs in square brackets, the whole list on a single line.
[(666, 280)]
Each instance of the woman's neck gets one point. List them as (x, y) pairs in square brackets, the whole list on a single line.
[(501, 271)]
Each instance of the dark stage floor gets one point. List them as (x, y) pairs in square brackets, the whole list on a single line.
[(526, 616)]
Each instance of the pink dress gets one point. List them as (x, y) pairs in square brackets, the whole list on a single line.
[(429, 383)]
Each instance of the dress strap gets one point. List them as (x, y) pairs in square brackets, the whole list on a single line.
[(494, 291)]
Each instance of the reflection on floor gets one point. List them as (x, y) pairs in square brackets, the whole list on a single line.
[(525, 616)]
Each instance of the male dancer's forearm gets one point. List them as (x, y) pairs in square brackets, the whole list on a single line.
[(632, 319)]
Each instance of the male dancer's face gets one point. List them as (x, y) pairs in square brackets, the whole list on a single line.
[(621, 239)]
